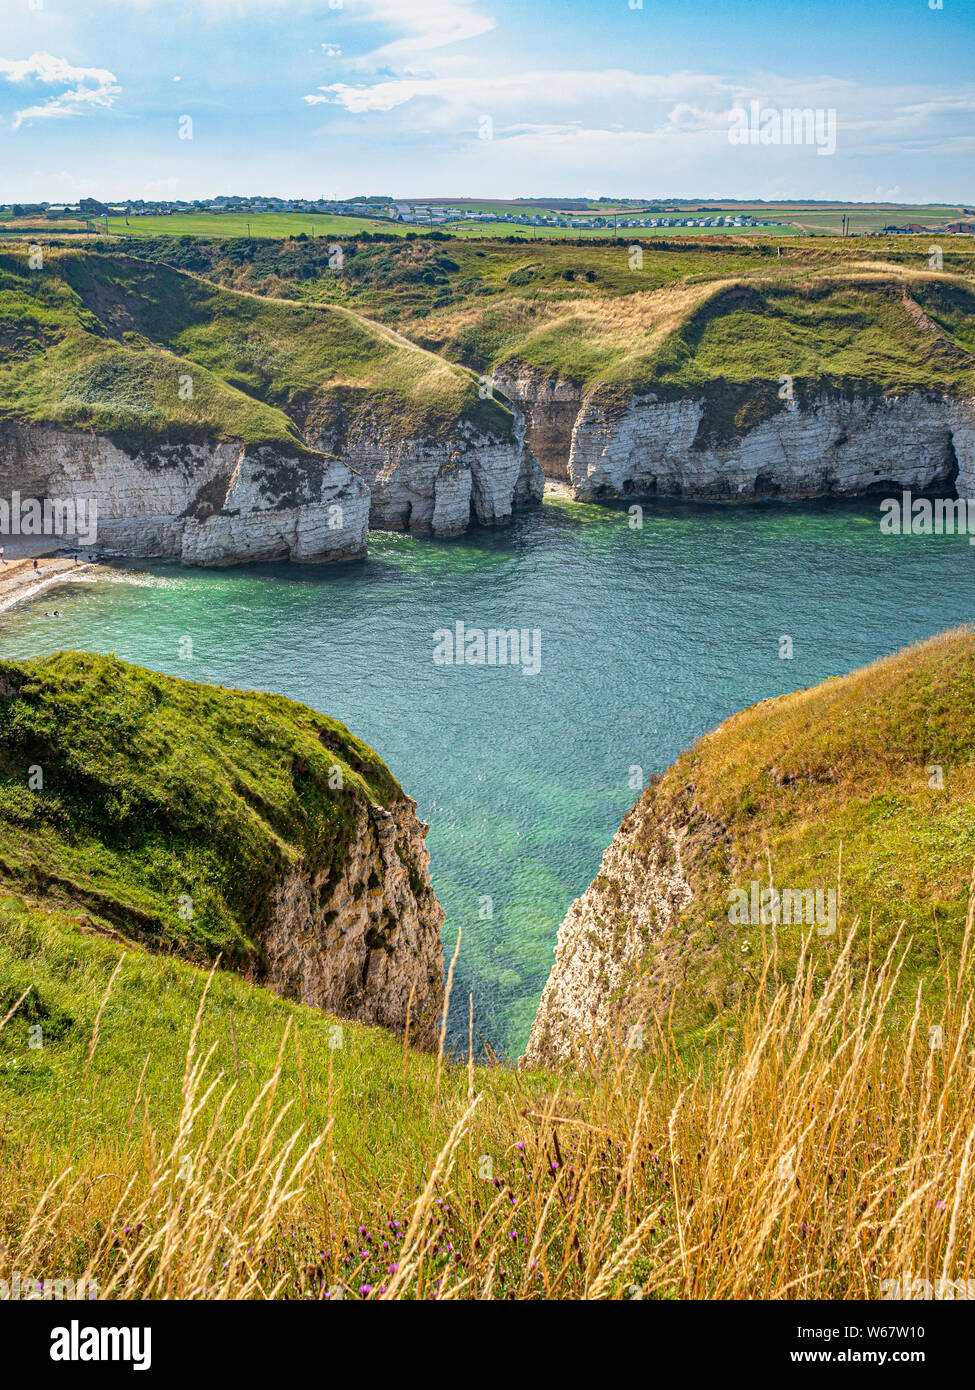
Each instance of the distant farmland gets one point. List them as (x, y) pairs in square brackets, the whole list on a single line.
[(791, 220), (291, 224)]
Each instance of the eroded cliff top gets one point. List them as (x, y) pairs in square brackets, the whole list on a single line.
[(169, 810)]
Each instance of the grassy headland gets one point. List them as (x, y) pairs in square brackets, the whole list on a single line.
[(126, 794), (864, 785), (171, 1138)]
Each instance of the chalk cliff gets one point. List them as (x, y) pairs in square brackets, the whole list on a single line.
[(603, 942), (740, 444), (206, 504), (439, 482), (367, 944)]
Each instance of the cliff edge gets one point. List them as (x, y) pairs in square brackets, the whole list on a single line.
[(850, 802), (198, 821)]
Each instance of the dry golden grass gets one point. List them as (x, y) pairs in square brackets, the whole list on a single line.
[(818, 1144)]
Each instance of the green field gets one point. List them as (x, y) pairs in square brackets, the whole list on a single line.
[(266, 224), (788, 219), (828, 219), (258, 224)]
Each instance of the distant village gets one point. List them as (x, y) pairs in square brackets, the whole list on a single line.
[(617, 215), (390, 210)]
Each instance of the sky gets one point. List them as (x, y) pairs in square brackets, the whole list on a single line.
[(117, 99)]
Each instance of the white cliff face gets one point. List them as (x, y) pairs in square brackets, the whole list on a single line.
[(206, 504), (602, 945), (368, 946), (830, 445), (438, 484)]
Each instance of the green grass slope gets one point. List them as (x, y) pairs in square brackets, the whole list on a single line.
[(865, 333), (864, 785), (103, 341), (60, 365), (149, 1014), (672, 317), (134, 797)]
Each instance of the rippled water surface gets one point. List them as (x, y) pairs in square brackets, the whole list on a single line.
[(648, 638)]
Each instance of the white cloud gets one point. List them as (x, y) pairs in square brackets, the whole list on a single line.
[(424, 27), (550, 89), (680, 109), (93, 86), (159, 188)]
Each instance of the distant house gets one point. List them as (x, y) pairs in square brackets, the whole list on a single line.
[(964, 228)]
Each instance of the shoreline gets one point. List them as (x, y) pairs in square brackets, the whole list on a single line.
[(20, 582)]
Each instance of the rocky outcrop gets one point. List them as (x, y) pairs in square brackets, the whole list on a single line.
[(759, 849), (737, 444), (204, 503), (437, 483), (602, 948), (366, 946)]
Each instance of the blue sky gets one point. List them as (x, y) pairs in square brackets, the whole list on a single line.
[(497, 98)]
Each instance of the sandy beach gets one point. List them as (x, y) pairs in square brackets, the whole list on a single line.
[(19, 580)]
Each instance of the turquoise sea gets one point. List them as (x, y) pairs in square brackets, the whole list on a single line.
[(649, 637)]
